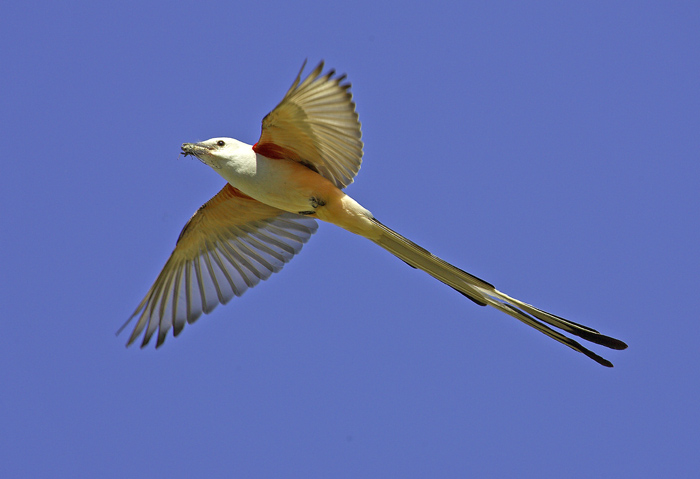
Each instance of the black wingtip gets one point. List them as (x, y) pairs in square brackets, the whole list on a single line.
[(603, 340), (616, 344), (584, 332), (468, 296), (582, 349), (123, 326), (600, 360)]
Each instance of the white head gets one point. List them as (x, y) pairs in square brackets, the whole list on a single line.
[(217, 151)]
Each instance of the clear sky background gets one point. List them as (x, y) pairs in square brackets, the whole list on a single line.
[(550, 148)]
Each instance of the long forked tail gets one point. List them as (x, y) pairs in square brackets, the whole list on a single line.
[(483, 293)]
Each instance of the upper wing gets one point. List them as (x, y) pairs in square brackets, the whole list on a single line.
[(228, 246), (316, 124)]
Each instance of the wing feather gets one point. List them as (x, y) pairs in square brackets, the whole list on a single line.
[(317, 125), (230, 244)]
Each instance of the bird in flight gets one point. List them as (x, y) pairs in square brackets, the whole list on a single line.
[(309, 150)]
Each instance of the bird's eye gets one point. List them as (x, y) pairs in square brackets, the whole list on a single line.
[(220, 143)]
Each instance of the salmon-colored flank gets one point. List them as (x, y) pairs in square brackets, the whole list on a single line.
[(235, 192)]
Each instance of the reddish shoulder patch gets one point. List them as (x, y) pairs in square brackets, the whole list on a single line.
[(273, 151)]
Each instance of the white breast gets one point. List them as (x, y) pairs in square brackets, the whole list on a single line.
[(269, 181)]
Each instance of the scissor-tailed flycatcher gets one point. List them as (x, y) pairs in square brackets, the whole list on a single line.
[(309, 150)]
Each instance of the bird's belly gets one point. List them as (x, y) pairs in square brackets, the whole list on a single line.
[(284, 184)]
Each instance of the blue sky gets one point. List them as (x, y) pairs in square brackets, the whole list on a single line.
[(550, 148)]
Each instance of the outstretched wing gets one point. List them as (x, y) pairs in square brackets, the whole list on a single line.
[(316, 124), (229, 245)]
